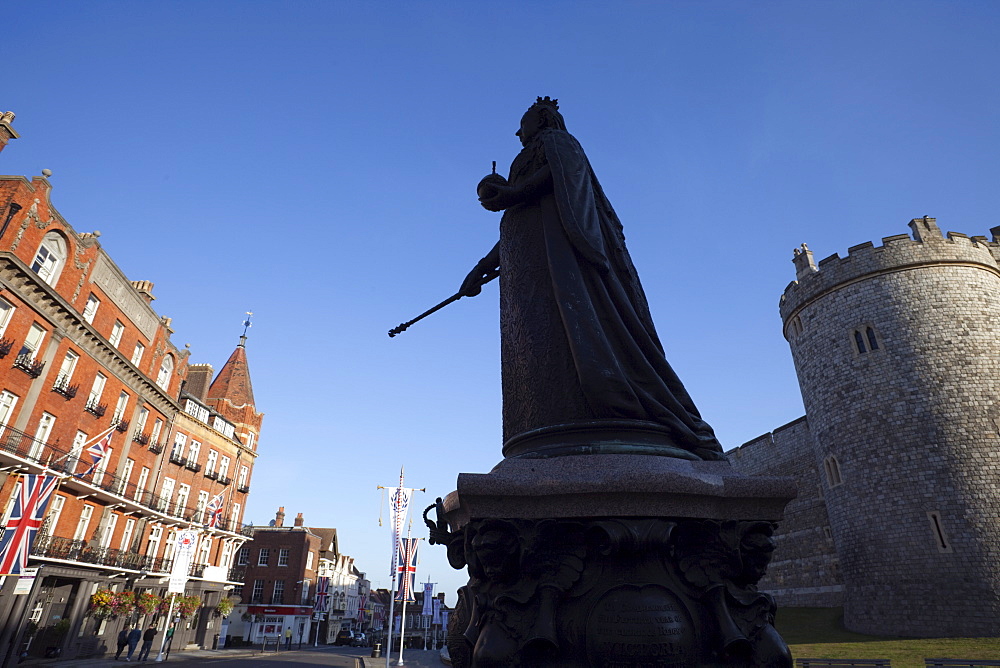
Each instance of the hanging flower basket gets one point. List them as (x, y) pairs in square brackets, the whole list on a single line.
[(187, 605), (102, 604), (225, 606), (123, 603), (164, 606), (147, 603)]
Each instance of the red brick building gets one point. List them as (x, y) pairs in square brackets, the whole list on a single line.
[(83, 352)]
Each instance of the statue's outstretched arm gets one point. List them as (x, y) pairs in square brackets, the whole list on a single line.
[(484, 272)]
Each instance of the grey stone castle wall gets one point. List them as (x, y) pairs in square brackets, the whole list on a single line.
[(911, 427), (805, 568)]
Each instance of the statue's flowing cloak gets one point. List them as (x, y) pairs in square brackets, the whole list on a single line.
[(617, 357)]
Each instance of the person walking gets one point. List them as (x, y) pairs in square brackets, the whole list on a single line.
[(147, 642), (122, 641), (134, 636), (288, 638)]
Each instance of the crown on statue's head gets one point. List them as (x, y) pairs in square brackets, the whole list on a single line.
[(547, 102)]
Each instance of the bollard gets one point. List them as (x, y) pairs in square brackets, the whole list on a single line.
[(377, 650)]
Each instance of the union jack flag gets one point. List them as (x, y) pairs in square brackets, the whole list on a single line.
[(98, 451), (322, 595), (407, 569), (214, 509), (361, 609), (25, 519)]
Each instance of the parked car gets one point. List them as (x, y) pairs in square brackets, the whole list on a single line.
[(345, 637), (359, 640)]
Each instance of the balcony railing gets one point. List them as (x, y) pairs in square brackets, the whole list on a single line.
[(141, 439), (62, 386), (55, 547), (176, 458), (156, 448), (120, 425), (212, 473), (243, 489), (192, 466), (94, 407), (237, 574), (5, 346), (29, 365), (223, 480), (18, 443)]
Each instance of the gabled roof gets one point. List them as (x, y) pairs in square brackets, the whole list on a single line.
[(233, 381)]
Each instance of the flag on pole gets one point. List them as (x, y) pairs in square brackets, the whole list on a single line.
[(428, 598), (361, 609), (98, 451), (407, 569), (214, 509), (322, 595), (437, 612), (400, 503), (25, 520)]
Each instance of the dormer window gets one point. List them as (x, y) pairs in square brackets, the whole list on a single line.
[(50, 259), (166, 369)]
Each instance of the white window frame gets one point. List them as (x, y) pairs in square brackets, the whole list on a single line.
[(120, 407), (8, 401), (102, 466), (224, 467), (141, 483), (264, 556), (283, 556), (97, 389), (6, 313), (54, 511), (183, 492), (42, 433), (137, 353), (32, 342), (90, 310), (213, 459), (50, 258), (201, 506), (126, 474), (109, 531), (180, 444), (117, 330), (66, 369), (193, 451), (153, 545), (83, 523), (125, 546), (165, 372)]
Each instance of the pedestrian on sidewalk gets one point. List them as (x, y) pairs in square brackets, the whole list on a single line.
[(147, 642), (288, 638), (134, 636), (122, 640)]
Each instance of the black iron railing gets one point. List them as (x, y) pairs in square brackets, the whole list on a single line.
[(156, 448), (26, 363), (94, 407), (5, 346), (120, 425), (55, 547), (192, 466), (176, 458), (62, 386), (244, 489), (141, 439)]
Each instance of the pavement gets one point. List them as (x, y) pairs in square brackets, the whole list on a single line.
[(412, 658)]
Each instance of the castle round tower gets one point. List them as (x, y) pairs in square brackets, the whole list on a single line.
[(897, 351)]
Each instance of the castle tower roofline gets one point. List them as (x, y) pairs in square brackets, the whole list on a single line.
[(897, 253)]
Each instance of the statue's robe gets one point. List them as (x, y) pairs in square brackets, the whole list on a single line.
[(577, 339)]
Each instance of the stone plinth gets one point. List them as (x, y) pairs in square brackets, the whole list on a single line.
[(613, 560)]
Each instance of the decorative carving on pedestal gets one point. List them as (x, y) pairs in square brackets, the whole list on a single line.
[(610, 593)]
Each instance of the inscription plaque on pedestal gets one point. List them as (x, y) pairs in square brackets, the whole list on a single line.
[(639, 627)]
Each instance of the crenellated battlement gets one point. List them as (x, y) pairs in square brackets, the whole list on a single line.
[(926, 247)]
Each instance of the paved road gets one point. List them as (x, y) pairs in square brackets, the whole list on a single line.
[(332, 657)]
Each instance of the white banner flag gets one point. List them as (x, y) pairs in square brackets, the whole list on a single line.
[(184, 550), (428, 599), (437, 612)]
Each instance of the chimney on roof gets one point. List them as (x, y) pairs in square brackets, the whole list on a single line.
[(199, 377), (144, 288), (279, 517), (298, 520), (6, 131)]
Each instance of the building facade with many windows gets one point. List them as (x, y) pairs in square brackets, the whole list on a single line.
[(84, 355)]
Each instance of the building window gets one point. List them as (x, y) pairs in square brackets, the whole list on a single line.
[(180, 441), (937, 529), (283, 556), (126, 473), (137, 353), (193, 450), (126, 543), (182, 499), (305, 592), (97, 389), (170, 544), (120, 407), (6, 311), (66, 370), (166, 369), (83, 522), (45, 425), (200, 509), (865, 340), (32, 342), (264, 556), (235, 517), (7, 402), (213, 457), (140, 486), (51, 257), (279, 592), (832, 467), (90, 310), (52, 517), (244, 474), (109, 531), (102, 466), (872, 341), (258, 592), (196, 410), (205, 550), (116, 333), (244, 556), (166, 493), (224, 467), (157, 428), (309, 560), (153, 546)]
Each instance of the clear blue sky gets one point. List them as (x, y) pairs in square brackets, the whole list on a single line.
[(316, 162)]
